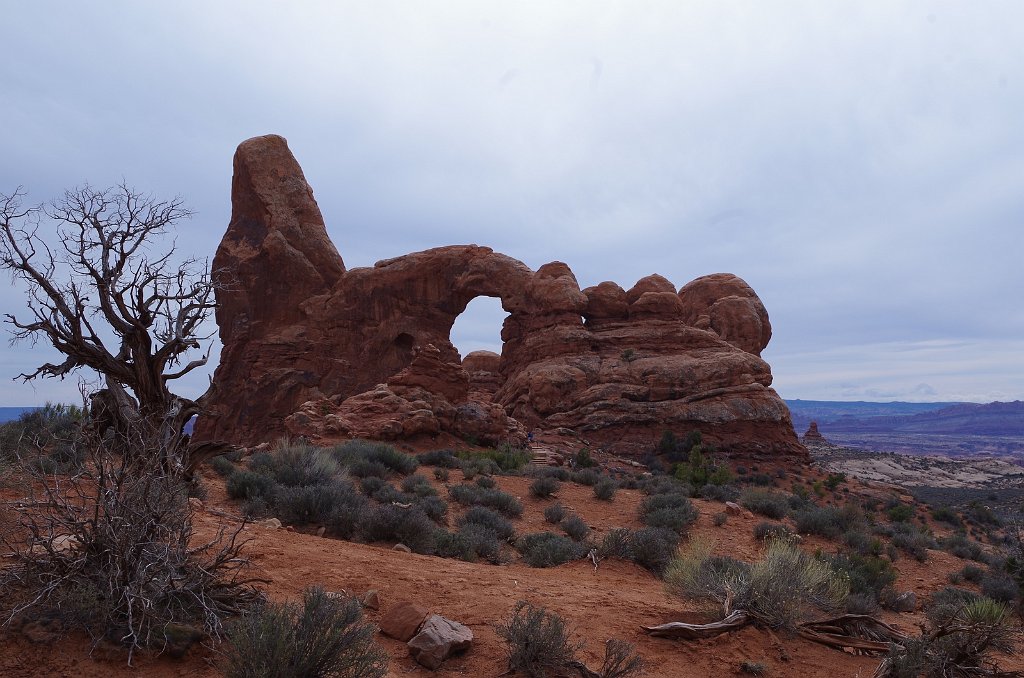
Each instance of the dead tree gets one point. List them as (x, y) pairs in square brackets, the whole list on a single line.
[(106, 290)]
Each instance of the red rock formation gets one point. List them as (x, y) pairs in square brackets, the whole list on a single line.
[(312, 349), (813, 435)]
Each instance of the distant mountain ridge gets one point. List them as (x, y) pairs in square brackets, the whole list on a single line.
[(991, 419), (11, 413)]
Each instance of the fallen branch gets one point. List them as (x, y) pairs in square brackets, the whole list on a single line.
[(733, 622)]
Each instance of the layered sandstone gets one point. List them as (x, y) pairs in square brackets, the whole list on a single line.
[(313, 349)]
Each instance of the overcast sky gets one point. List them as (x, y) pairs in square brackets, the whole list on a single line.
[(860, 164)]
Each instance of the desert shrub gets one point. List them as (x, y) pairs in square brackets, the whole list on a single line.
[(344, 519), (470, 495), (503, 459), (780, 589), (664, 485), (492, 520), (325, 636), (435, 508), (900, 513), (861, 603), (313, 503), (834, 480), (556, 472), (973, 574), (982, 515), (999, 586), (126, 564), (766, 530), (753, 668), (720, 518), (390, 523), (537, 642), (464, 494), (368, 468), (365, 455), (47, 439), (440, 458), (418, 485), (868, 576), (862, 543), (486, 482), (617, 543), (441, 474), (947, 515), (653, 548), (544, 487), (222, 466), (766, 503), (389, 494), (575, 527), (673, 511), (605, 489), (827, 521), (582, 459), (587, 476), (249, 485), (760, 479), (546, 549), (371, 485), (720, 493), (965, 629), (963, 547), (945, 605), (471, 542), (912, 541), (555, 513)]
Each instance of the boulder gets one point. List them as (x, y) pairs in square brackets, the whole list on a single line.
[(403, 620), (438, 639), (904, 602)]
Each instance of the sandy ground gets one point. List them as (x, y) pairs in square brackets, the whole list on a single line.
[(612, 602)]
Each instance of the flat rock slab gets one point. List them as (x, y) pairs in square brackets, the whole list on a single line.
[(402, 621), (438, 639)]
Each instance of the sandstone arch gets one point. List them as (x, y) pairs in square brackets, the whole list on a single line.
[(313, 349)]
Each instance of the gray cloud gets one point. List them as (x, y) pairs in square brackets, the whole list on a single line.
[(859, 164)]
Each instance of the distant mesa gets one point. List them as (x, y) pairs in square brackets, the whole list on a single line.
[(317, 350), (813, 436)]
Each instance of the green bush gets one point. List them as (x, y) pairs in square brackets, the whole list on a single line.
[(418, 485), (441, 458), (323, 637), (961, 546), (435, 508), (222, 466), (537, 642), (544, 487), (673, 511), (901, 513), (868, 576), (372, 455), (582, 459), (389, 523), (504, 459), (912, 541), (587, 476), (471, 542), (766, 503), (470, 495), (827, 521), (546, 549), (492, 520), (555, 513), (781, 589), (947, 515), (249, 485), (653, 548), (766, 530), (313, 503), (486, 482), (604, 490), (575, 527)]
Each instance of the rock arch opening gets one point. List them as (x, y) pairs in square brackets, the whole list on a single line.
[(478, 328)]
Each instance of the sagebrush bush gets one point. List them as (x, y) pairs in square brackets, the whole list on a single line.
[(353, 452), (868, 576), (547, 549), (673, 511), (721, 493), (587, 476), (555, 513), (250, 485), (471, 542), (779, 590), (486, 482), (434, 507), (441, 458), (296, 465), (827, 521), (912, 540), (441, 474), (537, 642), (767, 530), (961, 546), (575, 527), (605, 489), (390, 523), (324, 637), (544, 487), (222, 466), (418, 485), (653, 548), (492, 520), (313, 503), (766, 503)]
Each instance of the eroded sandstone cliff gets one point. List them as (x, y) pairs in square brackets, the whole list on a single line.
[(313, 349)]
